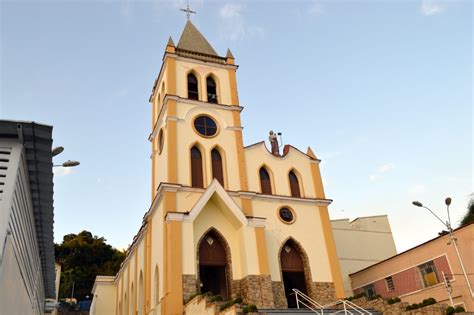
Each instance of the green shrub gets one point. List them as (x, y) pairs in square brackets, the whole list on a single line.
[(228, 304), (429, 301), (216, 298), (374, 297), (250, 309), (393, 300), (450, 310), (355, 297), (459, 309)]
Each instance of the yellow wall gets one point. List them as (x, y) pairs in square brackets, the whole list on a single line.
[(257, 156), (307, 230), (103, 296)]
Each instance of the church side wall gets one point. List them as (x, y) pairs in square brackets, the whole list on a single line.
[(157, 257)]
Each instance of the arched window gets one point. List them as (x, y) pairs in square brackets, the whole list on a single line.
[(294, 185), (217, 169), (132, 300), (265, 183), (211, 90), (140, 295), (157, 286), (196, 168), (193, 91)]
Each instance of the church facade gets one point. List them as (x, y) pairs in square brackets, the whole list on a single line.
[(233, 220)]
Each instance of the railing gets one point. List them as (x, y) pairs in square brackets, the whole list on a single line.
[(307, 302), (347, 306)]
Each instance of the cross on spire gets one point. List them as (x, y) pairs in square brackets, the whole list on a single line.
[(188, 11)]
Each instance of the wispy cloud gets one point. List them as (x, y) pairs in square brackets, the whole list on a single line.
[(62, 171), (235, 26), (430, 7), (316, 7), (381, 170), (418, 189)]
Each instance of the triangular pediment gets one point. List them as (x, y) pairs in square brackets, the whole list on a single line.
[(216, 194)]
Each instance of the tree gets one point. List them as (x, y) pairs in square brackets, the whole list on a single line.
[(82, 258), (469, 216)]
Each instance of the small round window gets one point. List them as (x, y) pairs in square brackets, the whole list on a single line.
[(205, 126), (286, 215), (160, 141)]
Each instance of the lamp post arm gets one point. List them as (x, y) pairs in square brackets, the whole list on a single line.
[(444, 223)]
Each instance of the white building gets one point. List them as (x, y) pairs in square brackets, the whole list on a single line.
[(27, 276), (361, 243)]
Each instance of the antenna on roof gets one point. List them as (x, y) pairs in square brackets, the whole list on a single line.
[(188, 11)]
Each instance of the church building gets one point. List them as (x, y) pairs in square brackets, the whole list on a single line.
[(232, 220)]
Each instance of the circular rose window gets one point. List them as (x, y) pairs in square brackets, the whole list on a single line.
[(205, 126), (286, 215)]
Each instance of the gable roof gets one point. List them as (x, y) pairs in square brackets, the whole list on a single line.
[(191, 39)]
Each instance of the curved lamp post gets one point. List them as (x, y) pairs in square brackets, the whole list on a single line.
[(453, 241)]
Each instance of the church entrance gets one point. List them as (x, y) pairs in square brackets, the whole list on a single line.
[(292, 270), (213, 266)]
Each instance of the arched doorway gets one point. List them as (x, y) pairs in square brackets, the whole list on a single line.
[(292, 271), (214, 270)]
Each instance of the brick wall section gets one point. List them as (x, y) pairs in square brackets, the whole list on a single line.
[(257, 289), (279, 297), (324, 292), (399, 308), (409, 280), (189, 286), (441, 264)]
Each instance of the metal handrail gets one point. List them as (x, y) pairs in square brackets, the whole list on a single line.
[(348, 306), (346, 303), (319, 307)]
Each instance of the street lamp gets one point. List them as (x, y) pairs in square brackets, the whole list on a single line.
[(68, 163), (447, 224)]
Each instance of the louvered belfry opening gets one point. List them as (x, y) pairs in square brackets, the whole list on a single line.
[(217, 169), (193, 90), (196, 168), (293, 271), (213, 266), (211, 90), (265, 183), (294, 185)]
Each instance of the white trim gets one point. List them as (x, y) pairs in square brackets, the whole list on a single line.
[(256, 222), (175, 216), (206, 63), (216, 187)]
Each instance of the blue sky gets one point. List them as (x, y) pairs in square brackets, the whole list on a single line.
[(381, 90)]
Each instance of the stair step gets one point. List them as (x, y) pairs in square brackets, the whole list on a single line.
[(295, 311)]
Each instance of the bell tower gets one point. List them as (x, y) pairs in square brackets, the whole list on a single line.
[(196, 131)]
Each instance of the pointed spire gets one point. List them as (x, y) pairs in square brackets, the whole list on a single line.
[(229, 54), (170, 48), (229, 57), (191, 39), (311, 154), (170, 42)]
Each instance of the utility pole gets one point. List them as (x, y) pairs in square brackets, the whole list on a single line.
[(449, 288)]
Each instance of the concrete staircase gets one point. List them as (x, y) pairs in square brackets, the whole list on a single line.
[(295, 311)]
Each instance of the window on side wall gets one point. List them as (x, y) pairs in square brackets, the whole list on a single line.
[(369, 290), (390, 285), (428, 274)]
